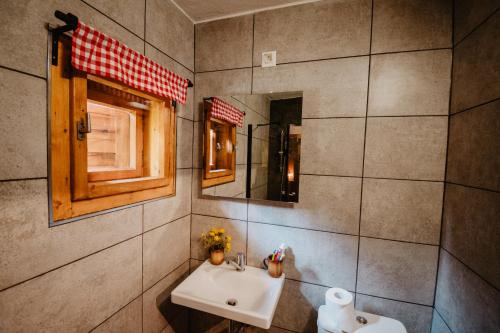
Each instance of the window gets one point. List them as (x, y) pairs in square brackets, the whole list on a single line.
[(219, 151), (111, 145)]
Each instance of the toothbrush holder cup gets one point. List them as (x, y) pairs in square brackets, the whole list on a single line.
[(274, 268)]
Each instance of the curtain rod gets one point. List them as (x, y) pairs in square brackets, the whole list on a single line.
[(71, 24)]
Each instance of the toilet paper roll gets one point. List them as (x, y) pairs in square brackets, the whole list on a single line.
[(341, 306)]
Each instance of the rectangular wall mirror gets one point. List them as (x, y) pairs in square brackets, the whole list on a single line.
[(251, 146)]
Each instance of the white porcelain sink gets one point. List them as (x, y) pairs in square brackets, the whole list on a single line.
[(210, 288)]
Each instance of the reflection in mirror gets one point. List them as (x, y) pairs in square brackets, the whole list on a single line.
[(265, 150), (219, 156)]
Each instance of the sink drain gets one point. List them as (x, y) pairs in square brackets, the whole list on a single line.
[(232, 301)]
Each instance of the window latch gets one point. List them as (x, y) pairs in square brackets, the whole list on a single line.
[(83, 127)]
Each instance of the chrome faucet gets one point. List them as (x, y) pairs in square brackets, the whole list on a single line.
[(239, 263)]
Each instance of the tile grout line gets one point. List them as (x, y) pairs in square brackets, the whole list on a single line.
[(483, 22), (318, 230), (136, 35), (23, 72), (441, 233), (470, 269), (364, 153), (141, 295), (442, 318), (69, 263), (116, 312), (475, 107), (330, 58)]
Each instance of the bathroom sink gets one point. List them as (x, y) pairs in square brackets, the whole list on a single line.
[(248, 296)]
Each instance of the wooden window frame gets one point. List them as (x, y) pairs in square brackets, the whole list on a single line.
[(73, 192), (211, 178)]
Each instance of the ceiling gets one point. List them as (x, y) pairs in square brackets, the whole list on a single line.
[(209, 10)]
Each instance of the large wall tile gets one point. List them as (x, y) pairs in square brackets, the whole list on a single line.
[(29, 247), (476, 67), (127, 320), (332, 146), (320, 30), (401, 25), (184, 111), (76, 297), (129, 13), (325, 203), (331, 88), (471, 230), (406, 147), (184, 143), (30, 55), (298, 306), (438, 324), (415, 318), (466, 303), (222, 83), (224, 44), (335, 266), (235, 228), (165, 248), (23, 126), (474, 147), (402, 210), (228, 208), (162, 211), (412, 83), (168, 29), (396, 270), (158, 310), (469, 14)]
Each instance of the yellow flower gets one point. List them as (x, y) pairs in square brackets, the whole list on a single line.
[(228, 238), (217, 238), (221, 230), (228, 246), (211, 233)]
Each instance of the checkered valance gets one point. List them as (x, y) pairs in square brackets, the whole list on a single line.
[(225, 111), (95, 53)]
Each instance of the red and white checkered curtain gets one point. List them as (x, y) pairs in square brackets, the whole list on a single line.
[(95, 53), (224, 111)]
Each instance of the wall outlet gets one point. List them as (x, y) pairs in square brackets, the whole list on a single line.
[(269, 59)]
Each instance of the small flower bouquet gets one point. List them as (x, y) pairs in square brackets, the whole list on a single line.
[(216, 241)]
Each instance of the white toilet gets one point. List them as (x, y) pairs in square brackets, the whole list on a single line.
[(374, 323), (339, 316)]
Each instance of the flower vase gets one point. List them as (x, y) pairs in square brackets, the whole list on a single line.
[(216, 256)]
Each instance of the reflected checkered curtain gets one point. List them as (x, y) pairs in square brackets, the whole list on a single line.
[(224, 111)]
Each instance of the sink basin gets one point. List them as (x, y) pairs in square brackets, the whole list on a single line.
[(248, 296)]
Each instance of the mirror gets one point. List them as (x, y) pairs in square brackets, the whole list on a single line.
[(257, 158)]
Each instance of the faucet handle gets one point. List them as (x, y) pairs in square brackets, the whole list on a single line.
[(241, 258)]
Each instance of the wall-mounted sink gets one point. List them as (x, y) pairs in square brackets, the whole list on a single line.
[(248, 296)]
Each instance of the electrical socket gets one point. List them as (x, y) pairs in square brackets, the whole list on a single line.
[(269, 59)]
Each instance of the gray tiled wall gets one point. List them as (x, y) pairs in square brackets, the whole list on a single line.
[(468, 287), (106, 272), (375, 120)]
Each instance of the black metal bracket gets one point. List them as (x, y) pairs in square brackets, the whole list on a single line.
[(71, 24)]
